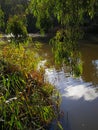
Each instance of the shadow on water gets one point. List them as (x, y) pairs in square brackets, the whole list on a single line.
[(90, 62)]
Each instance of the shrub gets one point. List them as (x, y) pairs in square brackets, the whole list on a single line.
[(17, 28), (20, 58), (25, 100)]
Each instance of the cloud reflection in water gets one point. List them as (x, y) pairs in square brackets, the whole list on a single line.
[(79, 91), (70, 87)]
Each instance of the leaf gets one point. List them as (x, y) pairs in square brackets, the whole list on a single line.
[(19, 125), (60, 126), (12, 119)]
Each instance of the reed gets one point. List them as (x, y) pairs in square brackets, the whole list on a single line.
[(25, 99)]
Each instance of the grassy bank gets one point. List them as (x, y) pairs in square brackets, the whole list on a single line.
[(25, 99)]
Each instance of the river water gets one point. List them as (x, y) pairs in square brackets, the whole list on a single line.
[(79, 95)]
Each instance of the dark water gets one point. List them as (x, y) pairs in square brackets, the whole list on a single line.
[(79, 96), (90, 65)]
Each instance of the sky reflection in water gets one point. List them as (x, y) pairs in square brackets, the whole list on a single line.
[(70, 87)]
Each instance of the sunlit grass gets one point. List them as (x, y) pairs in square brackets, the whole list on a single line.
[(25, 99), (20, 58)]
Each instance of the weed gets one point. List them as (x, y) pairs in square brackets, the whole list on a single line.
[(25, 100)]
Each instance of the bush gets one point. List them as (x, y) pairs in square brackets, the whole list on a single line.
[(17, 28), (25, 100), (20, 58)]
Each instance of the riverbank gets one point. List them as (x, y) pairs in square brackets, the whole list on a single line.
[(26, 100)]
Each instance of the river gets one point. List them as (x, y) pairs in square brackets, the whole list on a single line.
[(79, 95)]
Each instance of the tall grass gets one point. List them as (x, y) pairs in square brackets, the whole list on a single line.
[(25, 100), (20, 58)]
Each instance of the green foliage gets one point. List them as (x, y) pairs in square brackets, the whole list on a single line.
[(71, 15), (17, 28), (12, 84), (65, 50), (29, 110), (25, 100), (20, 58), (42, 10), (1, 19), (11, 8), (69, 12)]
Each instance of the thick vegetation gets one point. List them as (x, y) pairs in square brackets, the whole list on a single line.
[(16, 26), (1, 19), (25, 99), (70, 15)]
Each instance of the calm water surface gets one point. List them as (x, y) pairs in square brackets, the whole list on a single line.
[(79, 96)]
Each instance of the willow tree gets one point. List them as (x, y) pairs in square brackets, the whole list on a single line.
[(71, 15)]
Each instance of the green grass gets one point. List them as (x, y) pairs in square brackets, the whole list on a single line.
[(25, 99)]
